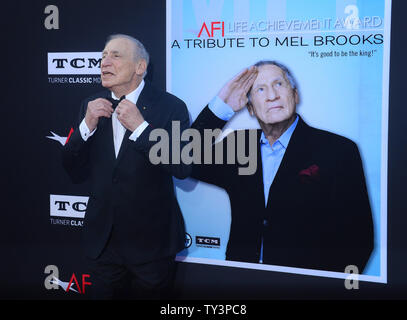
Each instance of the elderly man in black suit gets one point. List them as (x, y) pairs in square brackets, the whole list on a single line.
[(307, 204), (133, 223)]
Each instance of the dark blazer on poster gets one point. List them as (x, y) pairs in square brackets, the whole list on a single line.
[(318, 214), (129, 194)]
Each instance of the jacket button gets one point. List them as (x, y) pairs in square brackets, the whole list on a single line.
[(265, 223)]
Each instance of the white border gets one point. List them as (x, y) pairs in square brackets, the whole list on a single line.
[(385, 133), (168, 56), (269, 267), (383, 178)]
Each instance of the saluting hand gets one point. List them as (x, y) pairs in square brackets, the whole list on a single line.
[(234, 93)]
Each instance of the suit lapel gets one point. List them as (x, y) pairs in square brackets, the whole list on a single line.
[(124, 145), (291, 163), (259, 171)]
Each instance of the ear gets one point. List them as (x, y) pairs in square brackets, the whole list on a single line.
[(250, 109), (296, 97), (141, 67)]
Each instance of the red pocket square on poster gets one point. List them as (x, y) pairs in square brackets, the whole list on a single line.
[(309, 174)]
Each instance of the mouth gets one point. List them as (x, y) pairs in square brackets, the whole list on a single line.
[(107, 74), (272, 108)]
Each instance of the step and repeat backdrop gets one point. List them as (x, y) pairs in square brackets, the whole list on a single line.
[(338, 50), (54, 64)]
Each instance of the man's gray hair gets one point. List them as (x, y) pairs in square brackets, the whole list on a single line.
[(139, 51), (287, 73)]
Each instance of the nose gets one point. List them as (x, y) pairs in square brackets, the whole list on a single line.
[(106, 61), (272, 94)]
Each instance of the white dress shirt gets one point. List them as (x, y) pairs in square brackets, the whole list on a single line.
[(118, 129)]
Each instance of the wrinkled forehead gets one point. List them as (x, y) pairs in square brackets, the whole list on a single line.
[(269, 73), (120, 45)]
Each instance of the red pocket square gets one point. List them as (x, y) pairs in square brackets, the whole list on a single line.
[(310, 173)]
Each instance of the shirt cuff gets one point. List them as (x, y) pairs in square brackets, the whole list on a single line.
[(221, 109), (139, 130), (84, 130)]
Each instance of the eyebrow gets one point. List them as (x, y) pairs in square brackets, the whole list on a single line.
[(279, 78), (114, 51)]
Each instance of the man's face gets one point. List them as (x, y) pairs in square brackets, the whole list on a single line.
[(118, 67), (273, 100)]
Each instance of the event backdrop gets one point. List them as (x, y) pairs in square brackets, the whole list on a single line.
[(53, 64), (338, 50), (52, 67)]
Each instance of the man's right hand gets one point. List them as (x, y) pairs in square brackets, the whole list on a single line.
[(96, 109), (234, 93)]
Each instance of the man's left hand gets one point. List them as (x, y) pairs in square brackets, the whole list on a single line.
[(129, 115)]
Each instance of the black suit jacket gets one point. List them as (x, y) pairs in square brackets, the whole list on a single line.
[(130, 194), (318, 214)]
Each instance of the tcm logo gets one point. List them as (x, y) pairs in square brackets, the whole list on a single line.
[(52, 281), (207, 241), (68, 206), (215, 25), (74, 62)]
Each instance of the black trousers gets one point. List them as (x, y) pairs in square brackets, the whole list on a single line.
[(113, 277)]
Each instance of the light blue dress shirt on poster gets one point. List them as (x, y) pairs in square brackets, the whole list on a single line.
[(271, 156)]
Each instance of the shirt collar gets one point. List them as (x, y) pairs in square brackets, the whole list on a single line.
[(284, 138), (132, 96)]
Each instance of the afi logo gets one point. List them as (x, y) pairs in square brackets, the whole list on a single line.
[(52, 281), (213, 28), (61, 140)]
